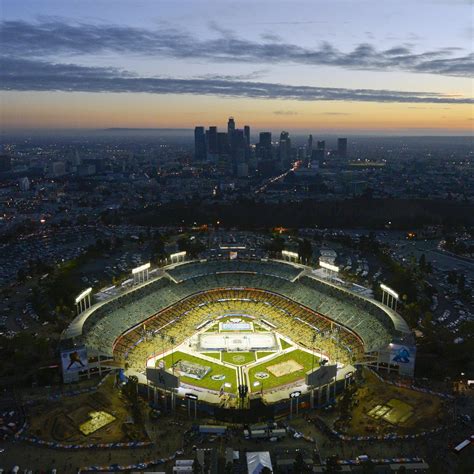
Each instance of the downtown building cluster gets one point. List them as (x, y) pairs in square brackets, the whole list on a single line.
[(234, 151)]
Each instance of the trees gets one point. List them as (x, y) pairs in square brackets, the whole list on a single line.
[(305, 250), (299, 465), (332, 464), (197, 468), (276, 245)]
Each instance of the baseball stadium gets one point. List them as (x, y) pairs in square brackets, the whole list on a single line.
[(232, 333)]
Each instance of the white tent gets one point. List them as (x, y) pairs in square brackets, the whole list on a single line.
[(257, 461)]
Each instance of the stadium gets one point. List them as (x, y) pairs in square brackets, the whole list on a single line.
[(236, 334)]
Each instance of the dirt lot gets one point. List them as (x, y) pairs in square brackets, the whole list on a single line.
[(379, 408), (60, 420)]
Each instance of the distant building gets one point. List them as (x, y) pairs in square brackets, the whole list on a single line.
[(247, 134), (5, 163), (199, 144), (58, 168), (309, 147), (238, 150), (230, 126), (247, 142), (320, 152), (264, 150), (223, 143), (285, 150), (342, 147), (211, 140), (242, 170), (24, 184)]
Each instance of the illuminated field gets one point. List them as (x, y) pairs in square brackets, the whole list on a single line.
[(217, 369), (238, 358), (299, 361)]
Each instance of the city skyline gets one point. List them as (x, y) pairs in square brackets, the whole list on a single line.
[(304, 66)]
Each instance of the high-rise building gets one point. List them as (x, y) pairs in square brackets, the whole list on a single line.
[(247, 134), (223, 143), (211, 140), (199, 144), (320, 152), (263, 148), (285, 150), (247, 142), (231, 126), (238, 148), (265, 139), (342, 147)]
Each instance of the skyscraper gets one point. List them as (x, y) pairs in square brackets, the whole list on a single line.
[(285, 150), (264, 146), (342, 147), (238, 148), (211, 140), (199, 144), (247, 134), (320, 152), (265, 139), (247, 142), (230, 126)]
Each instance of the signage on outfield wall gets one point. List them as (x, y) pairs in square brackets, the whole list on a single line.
[(73, 361), (321, 376), (162, 379), (401, 355), (404, 357)]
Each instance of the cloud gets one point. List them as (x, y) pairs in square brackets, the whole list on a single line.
[(32, 75), (285, 112), (335, 113), (52, 38)]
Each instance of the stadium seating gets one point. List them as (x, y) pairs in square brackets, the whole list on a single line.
[(146, 311), (271, 268)]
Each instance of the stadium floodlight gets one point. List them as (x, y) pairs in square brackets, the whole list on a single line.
[(328, 266), (141, 268), (287, 253), (389, 291), (83, 295)]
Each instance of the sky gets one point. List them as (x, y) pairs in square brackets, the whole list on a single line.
[(358, 66)]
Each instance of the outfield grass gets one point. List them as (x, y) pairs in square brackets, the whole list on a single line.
[(262, 354), (303, 358), (284, 344), (238, 358), (214, 355), (205, 382)]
